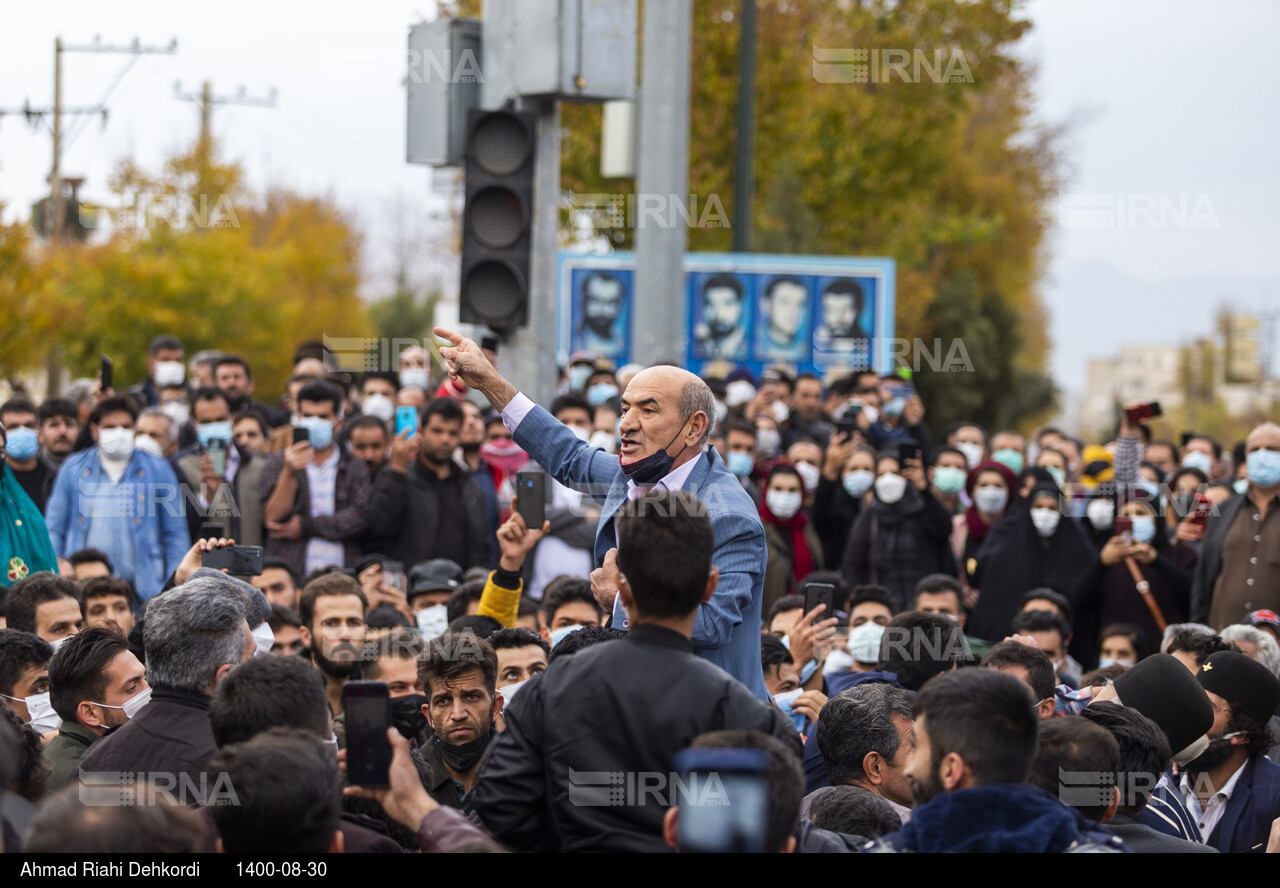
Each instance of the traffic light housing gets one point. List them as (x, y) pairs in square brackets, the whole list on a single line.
[(498, 218)]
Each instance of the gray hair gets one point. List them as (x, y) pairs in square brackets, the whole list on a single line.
[(207, 356), (1268, 649), (156, 411), (696, 397), (857, 721), (191, 632), (254, 602)]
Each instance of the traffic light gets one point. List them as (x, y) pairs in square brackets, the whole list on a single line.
[(497, 218)]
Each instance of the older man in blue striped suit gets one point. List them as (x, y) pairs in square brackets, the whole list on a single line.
[(666, 418)]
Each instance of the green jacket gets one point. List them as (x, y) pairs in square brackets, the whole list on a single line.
[(64, 751)]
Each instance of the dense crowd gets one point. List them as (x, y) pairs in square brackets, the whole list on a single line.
[(762, 614)]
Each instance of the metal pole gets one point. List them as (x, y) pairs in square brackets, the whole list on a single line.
[(53, 221), (662, 183), (744, 163)]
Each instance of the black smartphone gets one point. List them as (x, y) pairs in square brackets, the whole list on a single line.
[(848, 424), (210, 530), (108, 373), (727, 807), (820, 593), (907, 450), (300, 434), (240, 561), (367, 708), (531, 498), (1187, 438)]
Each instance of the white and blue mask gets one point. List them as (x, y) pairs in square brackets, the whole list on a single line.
[(23, 443)]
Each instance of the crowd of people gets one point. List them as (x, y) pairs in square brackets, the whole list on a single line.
[(763, 614)]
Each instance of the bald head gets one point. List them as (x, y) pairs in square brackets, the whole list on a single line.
[(1264, 437), (665, 408)]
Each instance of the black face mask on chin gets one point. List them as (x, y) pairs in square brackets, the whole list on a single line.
[(655, 466), (465, 756)]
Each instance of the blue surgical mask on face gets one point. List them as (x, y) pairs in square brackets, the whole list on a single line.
[(1009, 458), (558, 635), (213, 431), (949, 480), (1197, 459), (22, 443), (894, 408), (319, 431), (1240, 485), (785, 701), (1144, 528), (1264, 468), (601, 392), (578, 376), (857, 482), (740, 463)]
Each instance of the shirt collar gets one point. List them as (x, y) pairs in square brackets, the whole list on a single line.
[(1224, 793), (673, 480)]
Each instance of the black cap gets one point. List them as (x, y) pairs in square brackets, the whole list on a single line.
[(1243, 682), (1166, 692), (369, 561), (434, 575)]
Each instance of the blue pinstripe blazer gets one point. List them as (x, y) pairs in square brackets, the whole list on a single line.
[(727, 629), (1246, 822)]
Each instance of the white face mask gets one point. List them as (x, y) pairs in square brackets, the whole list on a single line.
[(1196, 459), (169, 373), (433, 621), (890, 487), (116, 443), (177, 411), (263, 639), (133, 704), (767, 442), (557, 635), (509, 692), (1101, 513), (40, 711), (416, 377), (739, 392), (783, 503), (871, 413), (147, 444), (59, 642), (1046, 521), (972, 452), (580, 433), (378, 405), (603, 440), (809, 474), (781, 411), (857, 482), (991, 500)]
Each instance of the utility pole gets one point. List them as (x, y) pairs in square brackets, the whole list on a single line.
[(207, 101), (662, 176), (745, 161)]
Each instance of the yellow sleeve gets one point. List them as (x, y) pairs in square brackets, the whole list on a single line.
[(500, 603)]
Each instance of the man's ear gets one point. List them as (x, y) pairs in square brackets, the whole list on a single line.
[(218, 846), (426, 711), (628, 600), (1111, 808), (1046, 707), (335, 846), (671, 826), (871, 768), (88, 715), (305, 632), (789, 846), (222, 673), (953, 771), (498, 700), (713, 580)]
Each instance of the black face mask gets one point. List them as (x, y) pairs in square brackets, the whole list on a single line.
[(656, 466), (465, 756), (1215, 755), (406, 714)]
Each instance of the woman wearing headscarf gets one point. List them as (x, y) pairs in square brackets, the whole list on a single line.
[(901, 535), (794, 548), (1030, 547), (991, 487), (24, 538)]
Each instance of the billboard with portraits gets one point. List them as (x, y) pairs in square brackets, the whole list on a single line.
[(822, 314)]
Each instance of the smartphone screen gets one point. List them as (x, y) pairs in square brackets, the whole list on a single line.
[(300, 435), (724, 805), (108, 373), (393, 574), (531, 498), (217, 451), (367, 705)]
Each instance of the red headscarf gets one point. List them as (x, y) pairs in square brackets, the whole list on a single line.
[(801, 558), (977, 527)]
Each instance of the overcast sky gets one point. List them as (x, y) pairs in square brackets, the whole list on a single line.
[(1176, 104)]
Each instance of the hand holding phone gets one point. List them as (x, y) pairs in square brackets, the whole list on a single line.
[(406, 421)]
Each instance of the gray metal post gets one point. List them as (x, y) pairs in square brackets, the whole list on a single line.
[(662, 179)]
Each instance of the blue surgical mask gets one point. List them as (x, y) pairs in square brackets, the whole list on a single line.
[(949, 480), (1144, 528), (601, 392), (558, 635), (740, 463), (213, 431), (1196, 459), (1240, 485), (1104, 662), (578, 376), (319, 431), (857, 482), (1264, 468), (1059, 476), (22, 443), (785, 701), (894, 408), (1009, 458)]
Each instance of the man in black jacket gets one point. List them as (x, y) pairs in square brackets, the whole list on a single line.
[(618, 712), (425, 505), (194, 635)]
